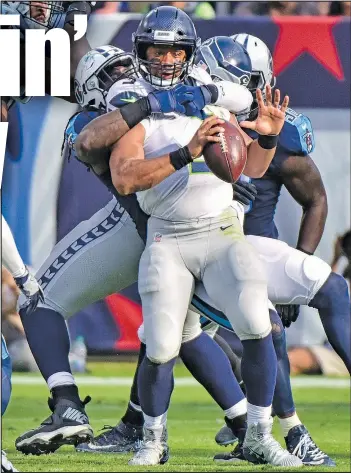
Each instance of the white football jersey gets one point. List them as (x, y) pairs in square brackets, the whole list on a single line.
[(192, 192)]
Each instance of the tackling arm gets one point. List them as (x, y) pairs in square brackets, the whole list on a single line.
[(301, 177)]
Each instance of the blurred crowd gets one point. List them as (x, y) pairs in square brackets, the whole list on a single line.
[(209, 10)]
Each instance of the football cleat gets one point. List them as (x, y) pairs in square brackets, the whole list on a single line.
[(237, 427), (234, 456), (6, 465), (68, 425), (153, 450), (300, 443), (260, 447), (123, 438), (225, 437)]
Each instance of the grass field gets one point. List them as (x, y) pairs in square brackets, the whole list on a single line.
[(193, 422)]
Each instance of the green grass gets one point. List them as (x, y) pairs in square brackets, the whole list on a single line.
[(194, 420)]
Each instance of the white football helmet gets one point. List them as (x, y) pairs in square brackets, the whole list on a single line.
[(261, 60), (35, 14), (97, 71)]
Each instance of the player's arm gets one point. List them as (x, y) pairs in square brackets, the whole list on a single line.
[(81, 47), (302, 179), (96, 138), (131, 172)]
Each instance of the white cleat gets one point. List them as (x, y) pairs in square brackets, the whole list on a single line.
[(260, 447), (154, 449), (6, 465)]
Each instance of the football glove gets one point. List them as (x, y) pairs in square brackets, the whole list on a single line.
[(32, 291), (288, 313), (244, 192)]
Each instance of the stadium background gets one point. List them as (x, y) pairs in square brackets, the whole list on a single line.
[(44, 197)]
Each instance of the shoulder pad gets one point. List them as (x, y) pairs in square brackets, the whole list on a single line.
[(297, 133), (200, 75), (76, 124), (126, 91)]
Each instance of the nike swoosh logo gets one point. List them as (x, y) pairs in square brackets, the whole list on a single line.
[(224, 227), (131, 100)]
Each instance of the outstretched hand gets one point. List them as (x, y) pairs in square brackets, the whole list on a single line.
[(271, 115)]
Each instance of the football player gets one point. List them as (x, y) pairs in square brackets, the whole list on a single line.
[(194, 232), (292, 167), (91, 243)]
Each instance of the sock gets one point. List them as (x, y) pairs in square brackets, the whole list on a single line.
[(210, 366), (259, 370), (48, 339), (155, 422), (333, 304), (288, 423), (283, 403), (257, 414), (66, 392), (235, 361), (155, 386), (134, 397), (238, 425), (60, 379), (133, 415), (239, 409)]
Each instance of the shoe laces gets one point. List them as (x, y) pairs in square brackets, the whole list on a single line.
[(273, 446), (307, 446)]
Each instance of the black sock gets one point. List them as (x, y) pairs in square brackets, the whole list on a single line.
[(133, 416)]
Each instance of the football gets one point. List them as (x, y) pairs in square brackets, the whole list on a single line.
[(227, 158)]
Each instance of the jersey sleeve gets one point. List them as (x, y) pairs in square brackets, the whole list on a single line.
[(125, 91), (297, 134), (76, 125)]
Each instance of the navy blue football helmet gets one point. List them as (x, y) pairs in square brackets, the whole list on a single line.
[(165, 26), (225, 59)]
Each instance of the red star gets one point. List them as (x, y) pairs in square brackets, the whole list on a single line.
[(307, 34)]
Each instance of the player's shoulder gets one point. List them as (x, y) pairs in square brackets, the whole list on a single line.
[(297, 135), (127, 91), (77, 122)]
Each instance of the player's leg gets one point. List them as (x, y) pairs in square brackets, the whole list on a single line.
[(294, 277), (98, 257), (234, 277), (165, 287)]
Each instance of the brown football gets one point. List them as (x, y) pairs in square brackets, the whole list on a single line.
[(227, 159)]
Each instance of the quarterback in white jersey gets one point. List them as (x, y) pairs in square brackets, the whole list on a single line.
[(205, 242)]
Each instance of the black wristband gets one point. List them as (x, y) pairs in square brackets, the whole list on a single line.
[(268, 141), (134, 113), (77, 8), (180, 158), (304, 251)]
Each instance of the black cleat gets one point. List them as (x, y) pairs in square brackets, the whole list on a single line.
[(237, 427), (68, 425), (236, 455), (124, 438)]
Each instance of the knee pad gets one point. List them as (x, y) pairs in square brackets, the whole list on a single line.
[(192, 326), (161, 353), (141, 334), (334, 288), (310, 270)]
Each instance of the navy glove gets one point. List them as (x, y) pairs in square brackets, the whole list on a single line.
[(288, 313), (244, 192), (183, 99), (31, 290)]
